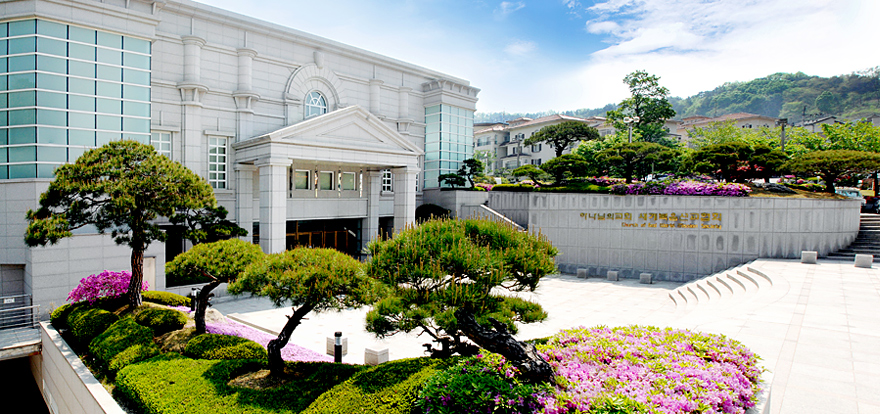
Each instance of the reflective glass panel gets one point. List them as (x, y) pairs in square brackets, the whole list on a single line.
[(23, 117), (52, 153), (109, 73), (23, 171), (23, 154), (53, 82), (46, 170), (110, 40), (51, 64), (325, 180), (80, 34), (137, 93), (22, 99), (22, 135), (109, 106), (45, 27), (81, 103), (51, 136), (135, 108), (112, 57), (22, 63), (136, 76), (112, 123), (79, 120), (110, 90), (49, 117), (79, 137), (301, 179), (22, 45), (52, 100), (52, 46), (22, 27), (83, 86), (136, 61), (84, 52), (135, 125)]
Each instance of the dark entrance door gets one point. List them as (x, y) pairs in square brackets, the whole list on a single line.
[(342, 234)]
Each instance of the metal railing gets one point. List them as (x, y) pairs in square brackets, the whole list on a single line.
[(18, 312)]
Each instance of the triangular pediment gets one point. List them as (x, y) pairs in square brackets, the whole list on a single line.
[(351, 128)]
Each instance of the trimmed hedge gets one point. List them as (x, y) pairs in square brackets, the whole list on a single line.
[(161, 321), (214, 346), (109, 348), (59, 316), (514, 187), (86, 323), (389, 388), (170, 384), (575, 188), (165, 298)]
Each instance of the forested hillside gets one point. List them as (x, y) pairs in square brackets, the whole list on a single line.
[(785, 95)]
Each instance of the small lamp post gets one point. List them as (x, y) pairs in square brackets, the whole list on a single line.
[(629, 121), (782, 122)]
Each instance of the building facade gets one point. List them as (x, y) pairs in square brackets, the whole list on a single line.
[(306, 141)]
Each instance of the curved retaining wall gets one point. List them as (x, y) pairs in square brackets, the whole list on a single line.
[(635, 234)]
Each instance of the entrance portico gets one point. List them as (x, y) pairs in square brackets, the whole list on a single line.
[(338, 160)]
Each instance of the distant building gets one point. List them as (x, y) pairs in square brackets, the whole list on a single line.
[(742, 120)]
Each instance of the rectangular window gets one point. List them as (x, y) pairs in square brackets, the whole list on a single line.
[(300, 180), (217, 162), (162, 142), (325, 180), (386, 181), (348, 181)]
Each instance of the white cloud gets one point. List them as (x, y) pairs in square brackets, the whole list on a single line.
[(520, 47), (606, 26), (507, 7)]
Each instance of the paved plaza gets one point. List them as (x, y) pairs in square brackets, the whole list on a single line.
[(816, 326)]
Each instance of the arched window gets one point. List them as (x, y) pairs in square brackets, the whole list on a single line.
[(315, 104)]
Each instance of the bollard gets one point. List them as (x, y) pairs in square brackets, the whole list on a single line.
[(645, 278), (864, 260), (809, 257), (582, 273), (613, 276), (337, 348)]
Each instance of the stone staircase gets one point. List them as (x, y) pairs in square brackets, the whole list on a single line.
[(866, 242)]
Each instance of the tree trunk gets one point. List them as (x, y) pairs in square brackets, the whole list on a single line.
[(202, 306), (276, 364), (523, 356), (137, 275)]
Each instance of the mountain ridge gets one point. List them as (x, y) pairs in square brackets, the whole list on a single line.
[(796, 96)]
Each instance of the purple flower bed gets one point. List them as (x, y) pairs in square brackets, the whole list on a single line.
[(605, 181), (106, 284), (658, 371), (488, 187), (290, 352), (690, 188)]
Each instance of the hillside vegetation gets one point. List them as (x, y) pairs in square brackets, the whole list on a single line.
[(784, 95)]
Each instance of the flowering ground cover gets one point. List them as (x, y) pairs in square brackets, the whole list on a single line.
[(290, 352), (686, 187), (649, 370)]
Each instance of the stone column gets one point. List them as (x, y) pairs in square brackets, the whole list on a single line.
[(245, 96), (273, 204), (404, 197), (372, 190), (375, 102), (244, 198), (191, 90), (403, 102)]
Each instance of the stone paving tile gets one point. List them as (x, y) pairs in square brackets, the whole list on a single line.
[(817, 328)]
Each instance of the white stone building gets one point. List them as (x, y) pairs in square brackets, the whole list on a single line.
[(305, 140)]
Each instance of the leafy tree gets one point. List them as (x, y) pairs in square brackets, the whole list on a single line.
[(310, 279), (737, 161), (562, 135), (212, 263), (487, 157), (207, 225), (566, 167), (722, 132), (122, 187), (453, 180), (827, 102), (529, 170), (470, 168), (446, 277), (648, 101), (589, 149), (832, 164), (637, 159)]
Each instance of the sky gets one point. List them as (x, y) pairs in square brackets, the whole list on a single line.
[(540, 55)]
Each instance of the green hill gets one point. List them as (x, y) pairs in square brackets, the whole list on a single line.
[(785, 95)]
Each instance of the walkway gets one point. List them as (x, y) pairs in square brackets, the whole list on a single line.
[(817, 327)]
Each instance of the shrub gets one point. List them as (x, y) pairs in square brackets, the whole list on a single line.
[(683, 188), (162, 384), (161, 321), (514, 187), (213, 346), (166, 298), (389, 388), (104, 284), (575, 188), (59, 316), (477, 385), (646, 369), (86, 323), (109, 348)]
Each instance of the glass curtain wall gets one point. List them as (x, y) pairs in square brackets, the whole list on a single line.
[(65, 89), (449, 139)]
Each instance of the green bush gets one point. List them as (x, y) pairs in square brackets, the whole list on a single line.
[(109, 348), (161, 321), (170, 384), (132, 354), (478, 385), (59, 316), (514, 187), (165, 298), (389, 388), (86, 323), (214, 346), (575, 188), (811, 187)]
